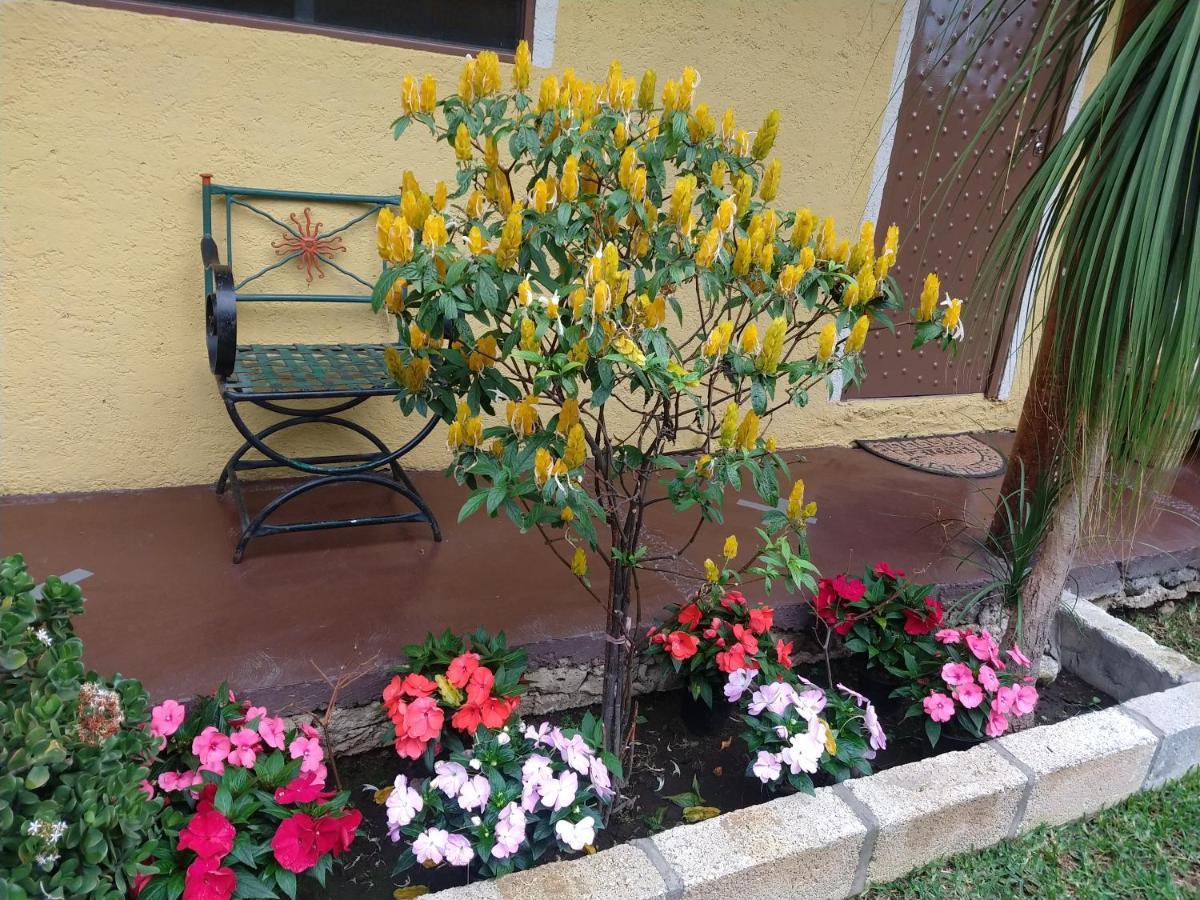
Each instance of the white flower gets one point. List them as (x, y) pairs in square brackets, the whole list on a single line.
[(576, 754), (43, 635), (475, 764), (450, 778), (766, 767), (46, 860), (559, 793), (475, 793), (576, 835), (601, 780), (775, 697), (476, 821), (739, 683), (536, 769), (803, 754), (502, 738), (874, 729), (430, 846), (809, 704), (458, 850), (403, 804)]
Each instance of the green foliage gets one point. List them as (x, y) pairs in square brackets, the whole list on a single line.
[(434, 654), (75, 753), (893, 624)]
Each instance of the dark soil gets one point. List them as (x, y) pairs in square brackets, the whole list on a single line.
[(667, 756)]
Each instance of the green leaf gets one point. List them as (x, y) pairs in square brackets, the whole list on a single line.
[(251, 886)]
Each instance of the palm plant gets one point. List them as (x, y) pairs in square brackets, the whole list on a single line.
[(1110, 223)]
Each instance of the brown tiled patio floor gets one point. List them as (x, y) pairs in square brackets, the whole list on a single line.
[(166, 604)]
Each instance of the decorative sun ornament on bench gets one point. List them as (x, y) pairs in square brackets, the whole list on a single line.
[(609, 282), (307, 243)]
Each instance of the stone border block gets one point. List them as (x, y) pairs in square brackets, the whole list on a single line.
[(798, 847), (1176, 716), (622, 873), (1114, 656), (1081, 764), (939, 806)]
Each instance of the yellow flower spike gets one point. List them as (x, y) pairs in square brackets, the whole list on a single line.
[(410, 96), (718, 173), (601, 295), (417, 339), (770, 444), (687, 88), (522, 416), (524, 294), (770, 223), (789, 277), (541, 196), (466, 81), (428, 94), (491, 153), (625, 345), (770, 183), (850, 295), (610, 261), (652, 128), (795, 503), (485, 354), (808, 259), (521, 65), (637, 189), (867, 285), (566, 514), (433, 232), (728, 124), (529, 339), (646, 90), (496, 448), (580, 353), (730, 550), (718, 342), (743, 187), (415, 374), (475, 241), (765, 139), (766, 258), (741, 142), (543, 465), (726, 213), (401, 241), (891, 243), (510, 240), (858, 335), (620, 135), (576, 451), (772, 348), (953, 315), (750, 339), (439, 196), (476, 205), (612, 84), (568, 185), (747, 432), (742, 256), (394, 301), (654, 312), (802, 228), (711, 573), (729, 426), (391, 360), (568, 416), (827, 238), (704, 464), (929, 298), (670, 96), (462, 143), (826, 343), (577, 299), (625, 100), (682, 194), (710, 244), (547, 95), (842, 253), (383, 224), (701, 124), (626, 167), (579, 566)]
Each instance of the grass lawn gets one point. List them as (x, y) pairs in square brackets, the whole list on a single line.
[(1146, 847)]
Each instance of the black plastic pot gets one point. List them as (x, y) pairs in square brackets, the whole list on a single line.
[(698, 717)]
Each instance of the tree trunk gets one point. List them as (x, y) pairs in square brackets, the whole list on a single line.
[(618, 659)]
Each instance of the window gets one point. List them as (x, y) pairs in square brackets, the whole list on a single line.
[(456, 26)]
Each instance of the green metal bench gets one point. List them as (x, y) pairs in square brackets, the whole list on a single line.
[(271, 376)]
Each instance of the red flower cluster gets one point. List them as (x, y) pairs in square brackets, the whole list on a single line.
[(736, 636), (418, 715), (301, 841), (919, 623), (833, 595)]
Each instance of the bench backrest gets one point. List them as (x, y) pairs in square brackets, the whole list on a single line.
[(310, 244)]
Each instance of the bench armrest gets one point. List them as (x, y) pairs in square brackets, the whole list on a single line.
[(220, 312)]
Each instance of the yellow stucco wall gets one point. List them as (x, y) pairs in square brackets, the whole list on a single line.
[(109, 116)]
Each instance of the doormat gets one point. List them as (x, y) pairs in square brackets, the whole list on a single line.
[(942, 454)]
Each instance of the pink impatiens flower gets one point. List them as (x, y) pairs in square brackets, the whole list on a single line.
[(954, 673), (970, 695), (211, 748), (938, 707), (309, 751), (510, 831), (166, 718), (1004, 699), (987, 678), (997, 724), (245, 744), (948, 636), (984, 648), (1026, 699), (178, 781), (1019, 658)]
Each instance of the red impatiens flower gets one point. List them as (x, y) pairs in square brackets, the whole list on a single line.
[(305, 788), (733, 659), (497, 710), (480, 684), (916, 623), (461, 667), (783, 653), (207, 879), (336, 833), (849, 589), (884, 570), (204, 801), (732, 599), (690, 616), (682, 645), (209, 834), (295, 843), (466, 718), (746, 638), (761, 619), (832, 594), (412, 685)]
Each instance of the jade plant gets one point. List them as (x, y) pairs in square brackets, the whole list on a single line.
[(608, 310)]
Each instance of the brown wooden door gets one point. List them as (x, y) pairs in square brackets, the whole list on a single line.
[(947, 229)]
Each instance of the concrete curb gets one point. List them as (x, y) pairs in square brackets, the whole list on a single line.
[(878, 828)]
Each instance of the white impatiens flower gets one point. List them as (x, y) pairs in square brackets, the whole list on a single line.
[(559, 793), (738, 683), (803, 754), (450, 778), (576, 835), (767, 767), (403, 804), (475, 793), (458, 850)]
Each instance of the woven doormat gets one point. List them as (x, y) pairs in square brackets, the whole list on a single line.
[(941, 454)]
